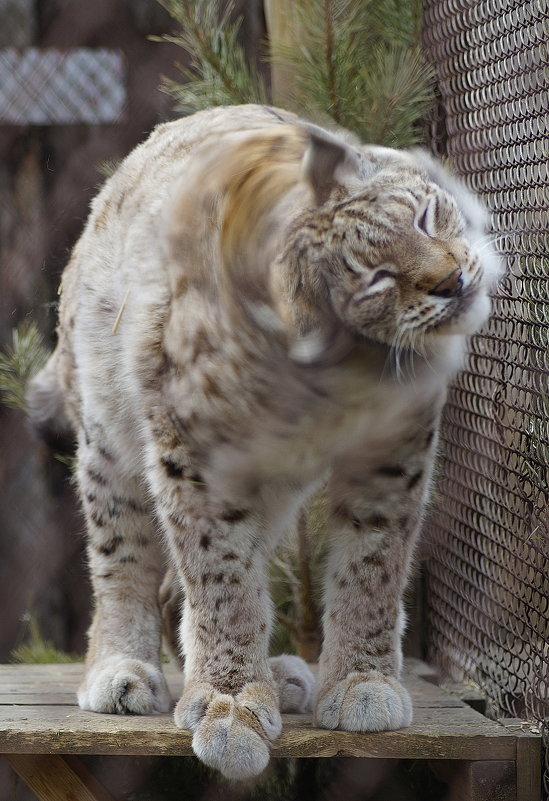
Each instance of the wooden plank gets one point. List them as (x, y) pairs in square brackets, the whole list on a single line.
[(471, 694), (57, 685), (529, 759), (40, 673), (425, 694), (528, 768), (453, 733), (418, 668), (52, 778), (434, 734), (38, 714)]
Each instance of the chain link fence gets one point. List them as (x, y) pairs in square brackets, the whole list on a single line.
[(54, 86), (487, 537)]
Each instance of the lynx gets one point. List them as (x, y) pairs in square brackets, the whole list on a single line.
[(258, 307)]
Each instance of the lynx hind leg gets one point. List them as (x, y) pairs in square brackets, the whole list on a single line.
[(295, 683), (123, 672), (172, 600)]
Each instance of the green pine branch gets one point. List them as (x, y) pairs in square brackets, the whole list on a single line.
[(358, 64), (219, 73), (398, 92), (361, 66), (19, 362), (333, 37)]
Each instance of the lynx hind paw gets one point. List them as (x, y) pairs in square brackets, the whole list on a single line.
[(122, 685), (231, 733), (295, 683), (365, 702)]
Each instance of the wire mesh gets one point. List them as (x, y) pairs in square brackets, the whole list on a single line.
[(487, 536), (49, 86)]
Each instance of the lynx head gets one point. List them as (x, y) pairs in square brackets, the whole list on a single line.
[(395, 250), (382, 244)]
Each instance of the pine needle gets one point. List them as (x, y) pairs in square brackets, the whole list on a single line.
[(357, 64), (398, 85), (219, 73), (107, 168), (120, 313), (19, 362)]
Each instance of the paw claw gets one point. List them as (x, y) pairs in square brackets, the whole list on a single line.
[(122, 685), (365, 702)]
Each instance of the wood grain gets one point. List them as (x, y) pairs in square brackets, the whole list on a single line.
[(529, 760), (52, 778), (38, 714), (57, 684)]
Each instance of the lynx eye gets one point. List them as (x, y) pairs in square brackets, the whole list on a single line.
[(425, 217), (421, 221), (439, 217)]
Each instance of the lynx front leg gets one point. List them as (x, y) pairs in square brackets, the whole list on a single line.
[(230, 699), (376, 516), (123, 672)]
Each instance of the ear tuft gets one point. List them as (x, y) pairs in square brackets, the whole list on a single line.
[(328, 161)]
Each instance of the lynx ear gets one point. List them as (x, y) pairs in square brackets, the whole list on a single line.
[(329, 161)]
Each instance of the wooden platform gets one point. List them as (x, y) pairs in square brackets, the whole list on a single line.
[(39, 716)]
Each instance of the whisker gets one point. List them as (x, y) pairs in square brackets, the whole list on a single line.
[(489, 242), (397, 351), (412, 350), (388, 360)]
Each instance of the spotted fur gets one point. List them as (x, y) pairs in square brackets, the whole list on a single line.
[(257, 306)]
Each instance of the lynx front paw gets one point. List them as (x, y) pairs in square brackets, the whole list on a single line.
[(295, 683), (231, 733), (365, 702), (123, 685)]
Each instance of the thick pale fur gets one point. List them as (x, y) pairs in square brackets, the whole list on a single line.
[(256, 307)]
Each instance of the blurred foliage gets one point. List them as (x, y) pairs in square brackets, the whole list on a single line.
[(19, 362), (38, 651), (356, 64), (296, 586), (360, 65), (219, 73)]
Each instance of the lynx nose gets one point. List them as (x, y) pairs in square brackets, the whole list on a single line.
[(449, 287)]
